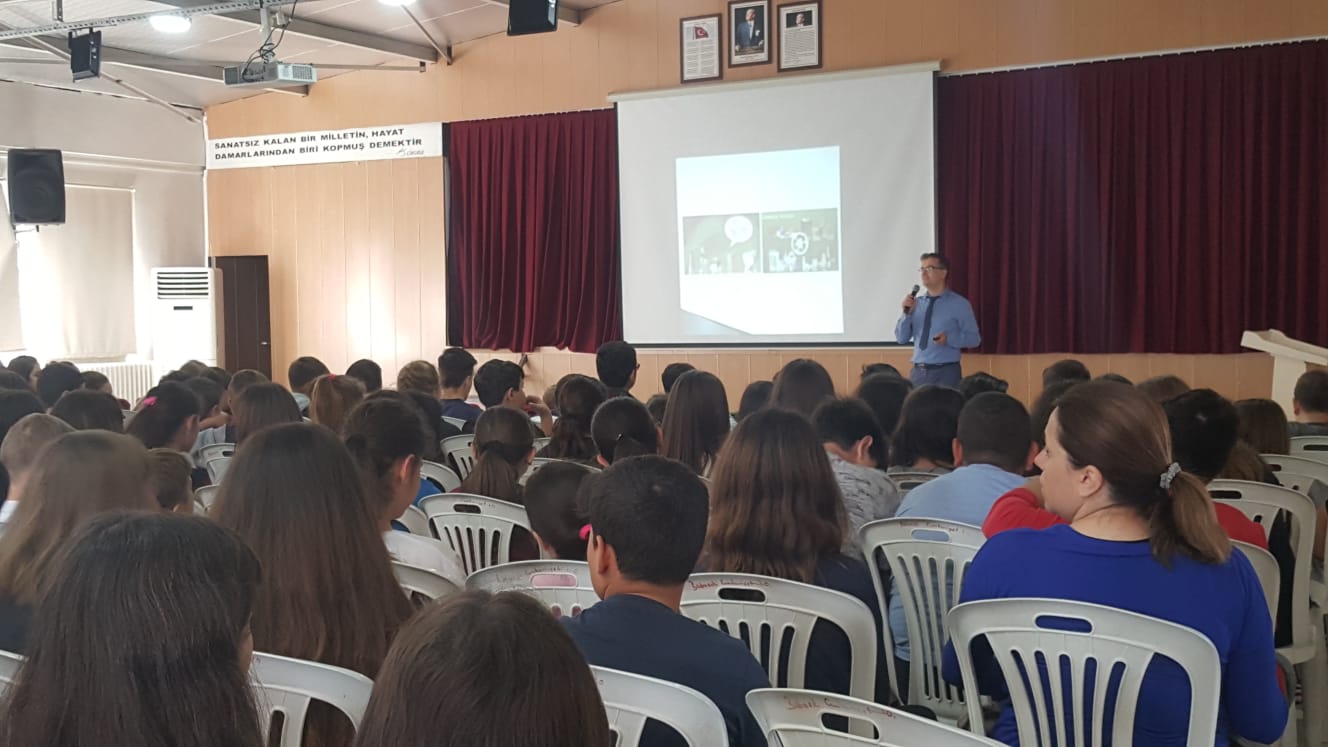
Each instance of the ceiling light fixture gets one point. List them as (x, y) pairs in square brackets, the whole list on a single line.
[(170, 24)]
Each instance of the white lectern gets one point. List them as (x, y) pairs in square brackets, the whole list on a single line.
[(1291, 358)]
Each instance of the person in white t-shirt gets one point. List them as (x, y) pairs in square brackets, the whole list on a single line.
[(387, 434)]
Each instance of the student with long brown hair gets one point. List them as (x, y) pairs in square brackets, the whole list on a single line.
[(387, 436), (802, 385), (143, 638), (482, 670), (88, 409), (332, 397), (79, 475), (294, 495), (696, 420), (260, 406), (776, 510), (1142, 537), (504, 445), (577, 398)]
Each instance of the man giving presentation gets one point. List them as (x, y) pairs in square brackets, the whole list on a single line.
[(939, 323)]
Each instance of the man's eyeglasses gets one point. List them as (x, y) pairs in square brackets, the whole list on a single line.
[(931, 269)]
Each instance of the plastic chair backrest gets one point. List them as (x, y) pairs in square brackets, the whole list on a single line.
[(479, 529), (206, 496), (10, 663), (1312, 447), (795, 718), (1105, 651), (457, 423), (928, 561), (287, 686), (216, 468), (774, 618), (1297, 464), (1262, 503), (563, 586), (1266, 568), (458, 448), (441, 476), (212, 451), (416, 580), (630, 699), (539, 462), (906, 481), (541, 442), (415, 521)]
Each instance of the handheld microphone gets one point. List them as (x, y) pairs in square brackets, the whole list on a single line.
[(914, 292)]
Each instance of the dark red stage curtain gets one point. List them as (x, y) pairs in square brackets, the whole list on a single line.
[(533, 243), (1156, 205)]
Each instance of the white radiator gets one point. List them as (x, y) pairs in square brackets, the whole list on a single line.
[(129, 381)]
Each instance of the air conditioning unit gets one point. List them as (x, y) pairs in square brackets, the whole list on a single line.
[(186, 317)]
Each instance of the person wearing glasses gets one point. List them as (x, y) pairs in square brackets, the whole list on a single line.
[(939, 324)]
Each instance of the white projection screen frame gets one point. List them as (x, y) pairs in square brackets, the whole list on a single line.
[(780, 211)]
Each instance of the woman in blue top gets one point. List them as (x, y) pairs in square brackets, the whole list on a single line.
[(1142, 536)]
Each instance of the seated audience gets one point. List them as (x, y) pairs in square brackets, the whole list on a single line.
[(671, 374), (578, 398), (89, 409), (775, 510), (992, 451), (1244, 463), (209, 394), (19, 451), (1310, 404), (885, 395), (457, 367), (97, 382), (479, 669), (616, 365), (500, 383), (432, 410), (419, 376), (1263, 425), (657, 406), (223, 431), (219, 375), (1043, 407), (77, 476), (192, 368), (1067, 369), (801, 386), (623, 428), (10, 381), (924, 438), (296, 498), (166, 418), (56, 379), (387, 437), (332, 397), (14, 406), (696, 421), (503, 448), (974, 384), (260, 406), (301, 375), (143, 638), (368, 373), (647, 526), (556, 514), (1114, 377), (853, 441), (872, 369), (171, 481), (1162, 388), (27, 367), (1136, 520), (755, 397)]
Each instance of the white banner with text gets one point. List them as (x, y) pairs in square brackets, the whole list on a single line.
[(423, 140)]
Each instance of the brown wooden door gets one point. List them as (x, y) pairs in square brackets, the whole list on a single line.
[(248, 318)]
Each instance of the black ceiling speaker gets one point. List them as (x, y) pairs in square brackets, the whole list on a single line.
[(36, 187), (85, 55), (532, 17)]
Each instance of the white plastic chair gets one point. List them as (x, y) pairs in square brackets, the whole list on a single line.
[(1300, 464), (457, 423), (761, 611), (906, 481), (213, 451), (539, 462), (415, 580), (10, 663), (206, 496), (563, 586), (443, 477), (928, 561), (458, 447), (794, 718), (216, 468), (416, 521), (541, 442), (1311, 447), (480, 529), (1266, 568), (630, 699), (1019, 633), (287, 686)]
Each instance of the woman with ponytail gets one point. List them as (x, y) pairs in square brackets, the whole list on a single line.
[(503, 447), (1142, 536), (577, 398)]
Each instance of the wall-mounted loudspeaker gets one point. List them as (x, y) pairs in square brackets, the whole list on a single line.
[(531, 17), (85, 55), (36, 187)]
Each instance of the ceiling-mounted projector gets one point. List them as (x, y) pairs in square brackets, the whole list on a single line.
[(268, 74)]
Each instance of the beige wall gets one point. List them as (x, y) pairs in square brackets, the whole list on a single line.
[(357, 250)]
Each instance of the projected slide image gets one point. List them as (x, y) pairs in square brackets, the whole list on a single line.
[(800, 241), (721, 244)]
